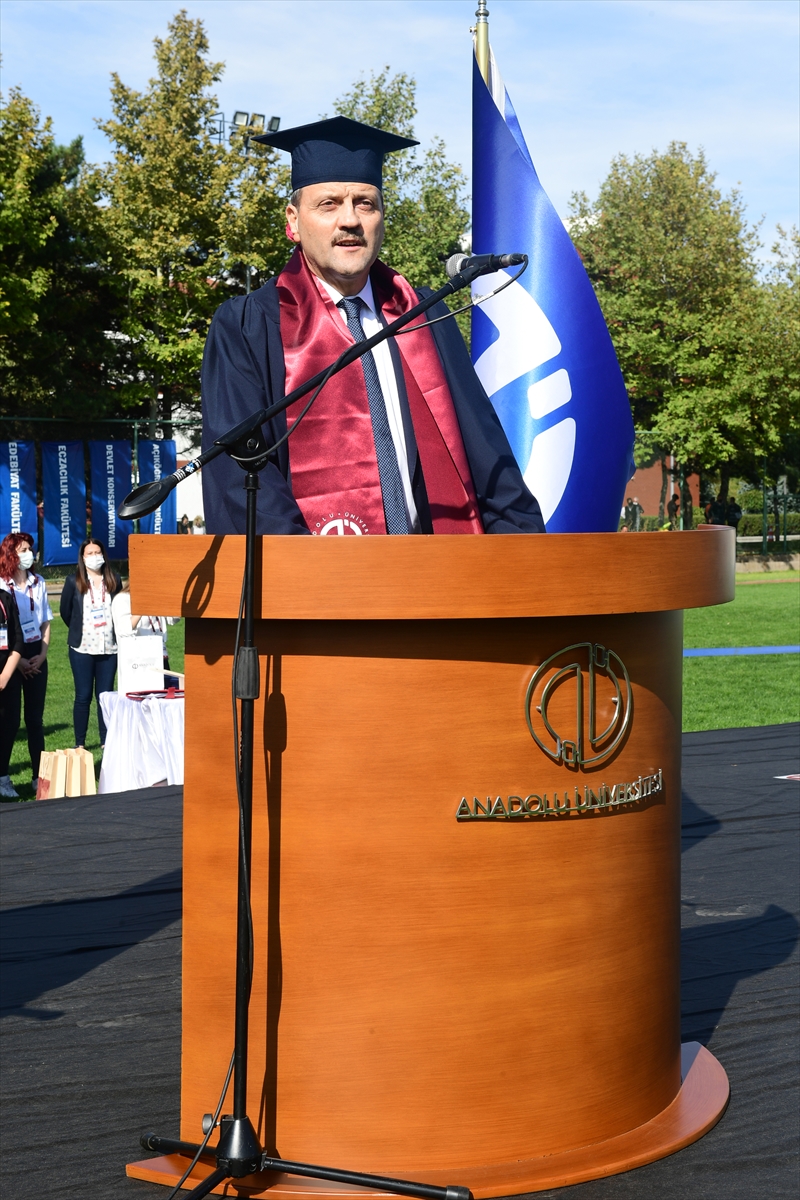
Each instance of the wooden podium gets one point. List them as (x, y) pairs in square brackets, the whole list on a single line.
[(466, 852)]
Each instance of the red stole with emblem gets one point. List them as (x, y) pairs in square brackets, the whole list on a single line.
[(334, 468)]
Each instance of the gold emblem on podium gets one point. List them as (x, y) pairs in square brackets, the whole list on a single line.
[(579, 704)]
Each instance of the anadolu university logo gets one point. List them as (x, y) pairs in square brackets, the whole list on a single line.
[(579, 704), (339, 524), (578, 709)]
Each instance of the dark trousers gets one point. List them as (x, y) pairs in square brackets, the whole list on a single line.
[(9, 718), (34, 691), (91, 672)]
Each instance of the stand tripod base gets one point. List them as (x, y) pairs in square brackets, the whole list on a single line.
[(698, 1106)]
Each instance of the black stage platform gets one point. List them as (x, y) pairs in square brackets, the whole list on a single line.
[(91, 981)]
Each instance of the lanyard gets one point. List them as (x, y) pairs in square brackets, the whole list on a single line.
[(102, 592), (30, 591)]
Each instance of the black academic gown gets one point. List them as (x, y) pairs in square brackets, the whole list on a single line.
[(243, 370)]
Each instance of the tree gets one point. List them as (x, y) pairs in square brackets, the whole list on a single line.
[(769, 362), (57, 300), (253, 223), (672, 261), (27, 220), (426, 214), (181, 212)]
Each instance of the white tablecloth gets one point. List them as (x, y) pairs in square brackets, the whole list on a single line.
[(144, 743)]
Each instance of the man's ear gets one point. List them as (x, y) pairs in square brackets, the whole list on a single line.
[(291, 223)]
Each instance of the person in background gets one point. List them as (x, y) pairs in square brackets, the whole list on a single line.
[(199, 525), (29, 590), (733, 513), (717, 512), (86, 610), (673, 510), (633, 514), (184, 525), (128, 625), (11, 647)]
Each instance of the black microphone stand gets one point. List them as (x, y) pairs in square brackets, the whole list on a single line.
[(238, 1152)]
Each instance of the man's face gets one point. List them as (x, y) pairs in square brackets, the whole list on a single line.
[(340, 230)]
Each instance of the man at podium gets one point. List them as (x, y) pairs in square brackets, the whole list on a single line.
[(403, 440)]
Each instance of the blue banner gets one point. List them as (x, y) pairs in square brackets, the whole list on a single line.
[(64, 501), (541, 347), (18, 490), (156, 459), (110, 474)]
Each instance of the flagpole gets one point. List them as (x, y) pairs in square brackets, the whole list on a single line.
[(482, 39)]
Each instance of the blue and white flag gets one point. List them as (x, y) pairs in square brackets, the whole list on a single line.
[(157, 459), (64, 501), (541, 347), (18, 490), (111, 482)]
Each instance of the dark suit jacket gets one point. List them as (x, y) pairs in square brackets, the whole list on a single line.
[(243, 370), (71, 608), (9, 620)]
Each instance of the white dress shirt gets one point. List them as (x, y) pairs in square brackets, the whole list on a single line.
[(33, 604), (372, 324)]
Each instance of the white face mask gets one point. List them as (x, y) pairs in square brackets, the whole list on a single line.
[(25, 559), (93, 562)]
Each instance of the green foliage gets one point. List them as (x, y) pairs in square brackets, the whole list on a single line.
[(252, 226), (27, 221), (709, 355), (165, 187), (57, 298), (752, 523), (424, 193)]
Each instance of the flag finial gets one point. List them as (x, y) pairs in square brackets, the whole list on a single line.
[(482, 39)]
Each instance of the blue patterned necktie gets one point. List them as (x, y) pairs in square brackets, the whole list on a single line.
[(394, 503)]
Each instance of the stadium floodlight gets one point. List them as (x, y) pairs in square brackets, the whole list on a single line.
[(257, 122), (239, 124)]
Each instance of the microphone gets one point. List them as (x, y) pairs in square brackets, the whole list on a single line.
[(148, 496), (481, 264)]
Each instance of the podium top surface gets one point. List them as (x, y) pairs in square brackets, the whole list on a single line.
[(435, 578)]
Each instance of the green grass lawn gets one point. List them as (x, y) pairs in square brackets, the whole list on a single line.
[(729, 693), (719, 693)]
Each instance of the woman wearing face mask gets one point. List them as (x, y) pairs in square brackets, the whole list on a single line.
[(11, 647), (86, 610), (30, 593)]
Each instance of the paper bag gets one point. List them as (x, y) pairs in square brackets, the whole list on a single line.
[(66, 773)]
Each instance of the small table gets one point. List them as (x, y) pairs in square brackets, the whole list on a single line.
[(144, 742)]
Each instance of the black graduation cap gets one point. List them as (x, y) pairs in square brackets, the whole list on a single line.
[(336, 151)]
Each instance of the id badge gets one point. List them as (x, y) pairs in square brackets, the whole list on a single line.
[(3, 637), (29, 631), (99, 617)]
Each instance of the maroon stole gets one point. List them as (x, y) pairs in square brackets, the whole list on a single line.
[(334, 468)]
